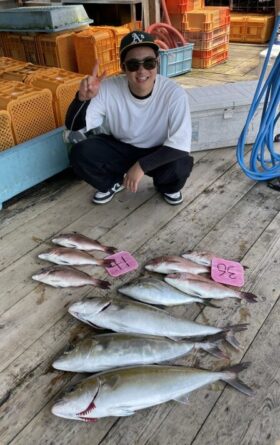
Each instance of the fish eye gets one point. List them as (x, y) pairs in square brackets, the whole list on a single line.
[(70, 389)]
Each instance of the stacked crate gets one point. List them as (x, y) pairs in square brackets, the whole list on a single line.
[(208, 29), (251, 28), (29, 108), (96, 44)]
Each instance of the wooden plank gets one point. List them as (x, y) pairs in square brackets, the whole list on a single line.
[(35, 320)]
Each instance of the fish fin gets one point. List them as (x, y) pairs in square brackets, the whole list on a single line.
[(107, 263), (101, 283), (110, 249), (228, 334), (182, 399), (248, 296), (214, 350), (209, 304), (234, 381)]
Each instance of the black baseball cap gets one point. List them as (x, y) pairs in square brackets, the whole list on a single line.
[(134, 39)]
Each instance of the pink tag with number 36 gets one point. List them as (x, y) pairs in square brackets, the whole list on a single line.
[(227, 272)]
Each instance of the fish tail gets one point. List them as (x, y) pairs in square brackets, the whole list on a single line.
[(107, 263), (231, 377), (229, 332), (101, 283), (213, 349), (110, 249), (248, 296)]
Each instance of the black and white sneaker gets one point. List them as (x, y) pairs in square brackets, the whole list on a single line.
[(104, 197), (173, 198)]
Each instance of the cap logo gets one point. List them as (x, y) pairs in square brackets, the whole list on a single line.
[(137, 37)]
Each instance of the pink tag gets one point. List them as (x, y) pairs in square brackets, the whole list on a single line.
[(227, 272), (124, 262)]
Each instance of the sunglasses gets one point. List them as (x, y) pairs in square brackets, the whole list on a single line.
[(149, 63)]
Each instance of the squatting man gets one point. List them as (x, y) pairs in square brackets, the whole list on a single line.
[(139, 123)]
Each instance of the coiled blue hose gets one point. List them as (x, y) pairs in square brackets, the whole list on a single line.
[(264, 163)]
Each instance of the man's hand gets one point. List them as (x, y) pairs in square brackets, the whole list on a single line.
[(89, 86), (133, 177)]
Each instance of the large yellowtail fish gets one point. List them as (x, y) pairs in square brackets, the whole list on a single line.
[(122, 392), (72, 257), (138, 318), (203, 287), (78, 241), (170, 264), (108, 351), (64, 276)]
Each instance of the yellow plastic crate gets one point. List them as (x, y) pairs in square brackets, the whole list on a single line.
[(63, 86), (3, 45), (206, 19), (23, 73), (7, 64), (119, 33), (57, 50), (251, 28), (30, 109), (30, 45), (15, 46), (92, 45), (6, 134)]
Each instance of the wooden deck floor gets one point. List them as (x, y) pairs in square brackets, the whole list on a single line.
[(223, 211)]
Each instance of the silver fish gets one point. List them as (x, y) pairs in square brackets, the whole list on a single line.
[(138, 318), (122, 392), (108, 351), (78, 241), (155, 291), (59, 276), (72, 257), (204, 257), (170, 264), (206, 288)]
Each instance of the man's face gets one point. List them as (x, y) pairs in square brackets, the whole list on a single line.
[(141, 82)]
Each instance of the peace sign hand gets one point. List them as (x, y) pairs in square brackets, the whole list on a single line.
[(89, 86)]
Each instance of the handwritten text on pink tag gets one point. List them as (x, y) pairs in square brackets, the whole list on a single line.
[(227, 272), (123, 262)]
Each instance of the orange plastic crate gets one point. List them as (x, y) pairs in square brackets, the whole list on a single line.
[(119, 33), (23, 73), (30, 45), (30, 109), (251, 28), (6, 134), (92, 45), (214, 59), (207, 45), (181, 6), (63, 86), (3, 45), (206, 20), (201, 36), (206, 54), (57, 50), (15, 46)]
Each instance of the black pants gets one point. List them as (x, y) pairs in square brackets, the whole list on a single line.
[(102, 161)]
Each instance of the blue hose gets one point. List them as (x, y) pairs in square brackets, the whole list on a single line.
[(264, 161)]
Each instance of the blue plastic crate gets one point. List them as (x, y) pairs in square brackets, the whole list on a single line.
[(176, 61)]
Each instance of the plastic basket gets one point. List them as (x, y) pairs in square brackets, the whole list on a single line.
[(6, 135), (251, 28), (119, 33), (30, 109), (210, 53), (57, 50), (15, 46), (201, 36), (208, 45), (181, 6), (9, 64), (63, 86), (30, 46), (207, 62), (91, 46), (3, 45), (205, 20), (176, 61), (23, 73)]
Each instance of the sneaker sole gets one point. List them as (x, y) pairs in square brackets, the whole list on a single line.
[(173, 203), (106, 200)]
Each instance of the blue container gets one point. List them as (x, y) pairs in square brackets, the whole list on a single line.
[(43, 18), (176, 61), (30, 163)]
